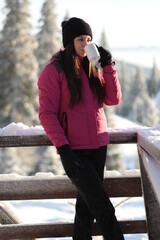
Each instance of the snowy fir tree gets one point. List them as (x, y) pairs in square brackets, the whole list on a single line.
[(125, 79), (48, 36), (18, 160), (138, 87), (145, 111), (67, 16), (48, 161), (143, 108), (114, 157), (103, 40), (18, 66), (9, 161), (153, 82)]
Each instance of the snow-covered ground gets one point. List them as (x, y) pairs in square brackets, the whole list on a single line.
[(43, 211)]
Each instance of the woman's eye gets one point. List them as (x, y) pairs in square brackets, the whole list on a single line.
[(81, 40)]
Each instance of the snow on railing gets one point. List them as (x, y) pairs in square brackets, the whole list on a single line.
[(20, 129), (19, 135)]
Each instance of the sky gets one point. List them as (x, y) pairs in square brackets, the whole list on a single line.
[(126, 23)]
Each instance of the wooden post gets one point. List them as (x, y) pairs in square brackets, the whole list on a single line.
[(8, 214), (152, 204)]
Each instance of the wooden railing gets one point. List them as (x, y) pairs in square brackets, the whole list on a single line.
[(51, 187)]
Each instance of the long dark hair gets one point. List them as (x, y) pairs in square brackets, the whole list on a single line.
[(70, 63)]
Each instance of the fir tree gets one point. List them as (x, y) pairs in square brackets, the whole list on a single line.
[(143, 108), (153, 82), (67, 16), (48, 161), (114, 160), (18, 66), (145, 111), (10, 162), (103, 40), (138, 88), (124, 78), (48, 37), (49, 42), (114, 157)]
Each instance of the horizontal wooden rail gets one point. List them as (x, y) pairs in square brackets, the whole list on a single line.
[(55, 187), (116, 136), (18, 231)]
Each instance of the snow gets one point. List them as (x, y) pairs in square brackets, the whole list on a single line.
[(154, 137), (122, 123), (19, 129)]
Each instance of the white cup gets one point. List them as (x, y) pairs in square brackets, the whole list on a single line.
[(92, 53)]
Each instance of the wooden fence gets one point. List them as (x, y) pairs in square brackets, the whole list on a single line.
[(51, 187)]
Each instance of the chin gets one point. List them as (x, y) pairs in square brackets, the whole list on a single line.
[(83, 55)]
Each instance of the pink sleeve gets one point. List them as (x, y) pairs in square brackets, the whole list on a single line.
[(112, 87), (49, 99)]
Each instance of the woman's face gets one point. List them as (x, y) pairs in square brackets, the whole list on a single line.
[(79, 43)]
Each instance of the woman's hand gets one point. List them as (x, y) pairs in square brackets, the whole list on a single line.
[(106, 57), (70, 161)]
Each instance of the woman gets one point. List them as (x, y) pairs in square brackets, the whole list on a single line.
[(71, 96)]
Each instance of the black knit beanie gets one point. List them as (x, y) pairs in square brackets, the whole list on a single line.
[(74, 27)]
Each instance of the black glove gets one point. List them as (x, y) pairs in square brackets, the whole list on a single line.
[(106, 57), (70, 162)]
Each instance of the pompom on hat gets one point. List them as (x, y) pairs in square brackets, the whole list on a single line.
[(74, 27)]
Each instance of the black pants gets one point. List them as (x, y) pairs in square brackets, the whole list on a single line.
[(93, 201)]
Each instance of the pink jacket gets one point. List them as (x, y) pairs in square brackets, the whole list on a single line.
[(84, 126)]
